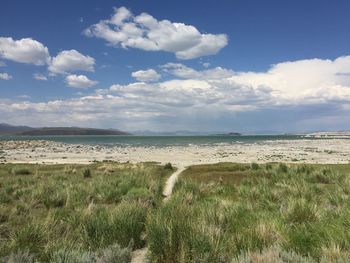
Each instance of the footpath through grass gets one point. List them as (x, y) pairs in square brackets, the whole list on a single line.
[(217, 213), (254, 213), (76, 213)]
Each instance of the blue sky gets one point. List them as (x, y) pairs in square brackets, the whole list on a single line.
[(174, 65)]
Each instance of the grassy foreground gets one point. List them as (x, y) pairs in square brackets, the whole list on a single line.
[(218, 213), (254, 213), (76, 213)]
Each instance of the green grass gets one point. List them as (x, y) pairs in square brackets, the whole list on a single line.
[(58, 213), (223, 212), (254, 213)]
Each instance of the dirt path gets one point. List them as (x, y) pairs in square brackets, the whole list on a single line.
[(169, 185), (139, 255)]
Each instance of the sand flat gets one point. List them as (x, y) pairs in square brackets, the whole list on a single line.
[(297, 151)]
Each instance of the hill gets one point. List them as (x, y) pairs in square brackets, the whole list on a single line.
[(6, 129), (11, 129)]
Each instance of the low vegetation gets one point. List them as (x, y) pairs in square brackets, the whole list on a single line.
[(76, 213), (254, 213), (224, 212)]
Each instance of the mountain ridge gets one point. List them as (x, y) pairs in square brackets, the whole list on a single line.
[(7, 129)]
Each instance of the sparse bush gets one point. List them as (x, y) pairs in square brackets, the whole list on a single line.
[(168, 166), (87, 173), (255, 166)]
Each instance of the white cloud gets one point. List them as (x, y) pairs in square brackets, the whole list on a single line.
[(209, 45), (148, 75), (147, 33), (303, 81), (79, 81), (25, 50), (182, 71), (206, 64), (294, 92), (5, 76), (38, 76), (69, 61)]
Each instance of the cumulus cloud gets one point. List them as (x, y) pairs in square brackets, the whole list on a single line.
[(38, 76), (310, 80), (147, 33), (25, 50), (69, 61), (296, 93), (5, 76), (148, 75), (79, 81)]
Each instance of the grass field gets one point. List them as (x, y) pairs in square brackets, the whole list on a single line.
[(254, 213), (223, 212), (76, 213)]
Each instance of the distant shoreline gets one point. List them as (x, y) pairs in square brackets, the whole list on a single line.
[(332, 151)]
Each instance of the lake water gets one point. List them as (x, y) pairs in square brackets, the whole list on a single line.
[(155, 140)]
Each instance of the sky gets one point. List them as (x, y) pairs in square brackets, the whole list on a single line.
[(230, 65)]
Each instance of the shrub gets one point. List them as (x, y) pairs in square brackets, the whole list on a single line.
[(255, 166), (87, 173), (168, 166)]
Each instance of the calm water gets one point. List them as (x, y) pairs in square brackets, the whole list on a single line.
[(155, 140)]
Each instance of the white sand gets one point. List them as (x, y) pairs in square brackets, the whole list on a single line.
[(298, 151)]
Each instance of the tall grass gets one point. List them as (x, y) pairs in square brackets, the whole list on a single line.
[(254, 213), (58, 213)]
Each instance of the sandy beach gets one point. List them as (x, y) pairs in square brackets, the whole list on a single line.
[(296, 151)]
